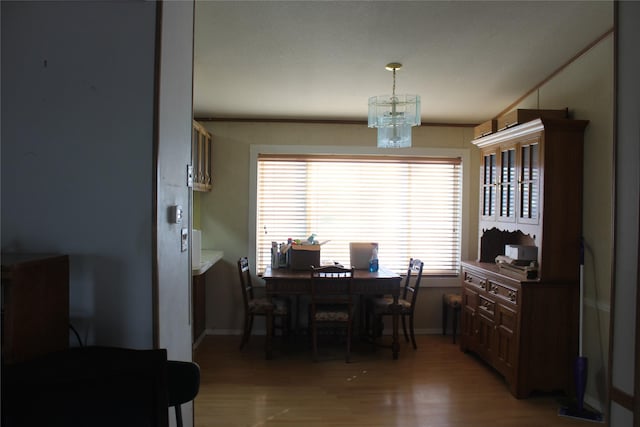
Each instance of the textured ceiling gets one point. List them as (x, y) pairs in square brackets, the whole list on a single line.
[(322, 60)]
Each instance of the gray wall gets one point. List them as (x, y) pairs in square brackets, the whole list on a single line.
[(624, 345), (175, 123), (80, 114), (77, 140)]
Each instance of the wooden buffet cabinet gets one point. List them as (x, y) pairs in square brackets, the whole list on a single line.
[(35, 305), (525, 325)]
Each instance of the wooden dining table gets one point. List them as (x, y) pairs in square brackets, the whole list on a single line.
[(288, 282)]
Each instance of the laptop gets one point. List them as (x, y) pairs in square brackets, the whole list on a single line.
[(360, 254)]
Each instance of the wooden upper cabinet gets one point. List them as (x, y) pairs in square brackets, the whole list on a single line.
[(201, 158), (531, 193)]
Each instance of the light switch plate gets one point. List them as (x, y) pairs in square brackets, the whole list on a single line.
[(190, 176), (184, 245)]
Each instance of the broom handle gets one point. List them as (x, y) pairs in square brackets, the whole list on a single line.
[(581, 308), (582, 244)]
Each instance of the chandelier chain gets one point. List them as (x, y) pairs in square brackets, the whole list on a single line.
[(393, 93)]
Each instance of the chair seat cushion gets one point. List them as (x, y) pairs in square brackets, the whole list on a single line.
[(332, 314), (453, 300), (262, 305), (383, 305)]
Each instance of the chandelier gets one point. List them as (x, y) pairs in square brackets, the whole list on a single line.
[(394, 115)]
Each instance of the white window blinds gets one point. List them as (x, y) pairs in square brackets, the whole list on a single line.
[(411, 206)]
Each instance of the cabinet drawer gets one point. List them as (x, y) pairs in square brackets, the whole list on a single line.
[(486, 307), (475, 280), (503, 291)]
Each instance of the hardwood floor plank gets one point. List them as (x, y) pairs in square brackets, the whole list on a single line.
[(434, 386)]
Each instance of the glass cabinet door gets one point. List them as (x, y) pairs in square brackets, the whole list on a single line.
[(195, 154), (201, 158), (489, 180), (507, 185), (528, 184)]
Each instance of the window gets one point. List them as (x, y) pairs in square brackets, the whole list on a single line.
[(411, 206)]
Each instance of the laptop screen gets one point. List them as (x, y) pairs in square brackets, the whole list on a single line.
[(360, 254)]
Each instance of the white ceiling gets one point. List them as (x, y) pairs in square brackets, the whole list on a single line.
[(322, 60)]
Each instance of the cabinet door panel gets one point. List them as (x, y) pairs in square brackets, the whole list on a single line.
[(528, 184), (489, 178), (505, 341), (507, 185), (468, 327), (484, 337)]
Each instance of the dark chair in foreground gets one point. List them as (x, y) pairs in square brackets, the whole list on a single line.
[(259, 306), (331, 302), (98, 387), (383, 306), (183, 380)]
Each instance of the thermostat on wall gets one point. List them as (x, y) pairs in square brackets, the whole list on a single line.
[(175, 214)]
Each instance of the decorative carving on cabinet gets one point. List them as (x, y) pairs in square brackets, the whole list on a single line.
[(493, 241)]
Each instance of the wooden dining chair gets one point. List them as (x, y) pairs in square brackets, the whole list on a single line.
[(254, 306), (331, 302), (383, 306)]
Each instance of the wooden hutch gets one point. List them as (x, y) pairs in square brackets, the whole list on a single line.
[(525, 324)]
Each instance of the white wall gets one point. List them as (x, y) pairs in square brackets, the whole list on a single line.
[(77, 176), (586, 88)]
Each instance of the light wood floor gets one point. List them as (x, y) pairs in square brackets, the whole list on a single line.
[(435, 386)]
